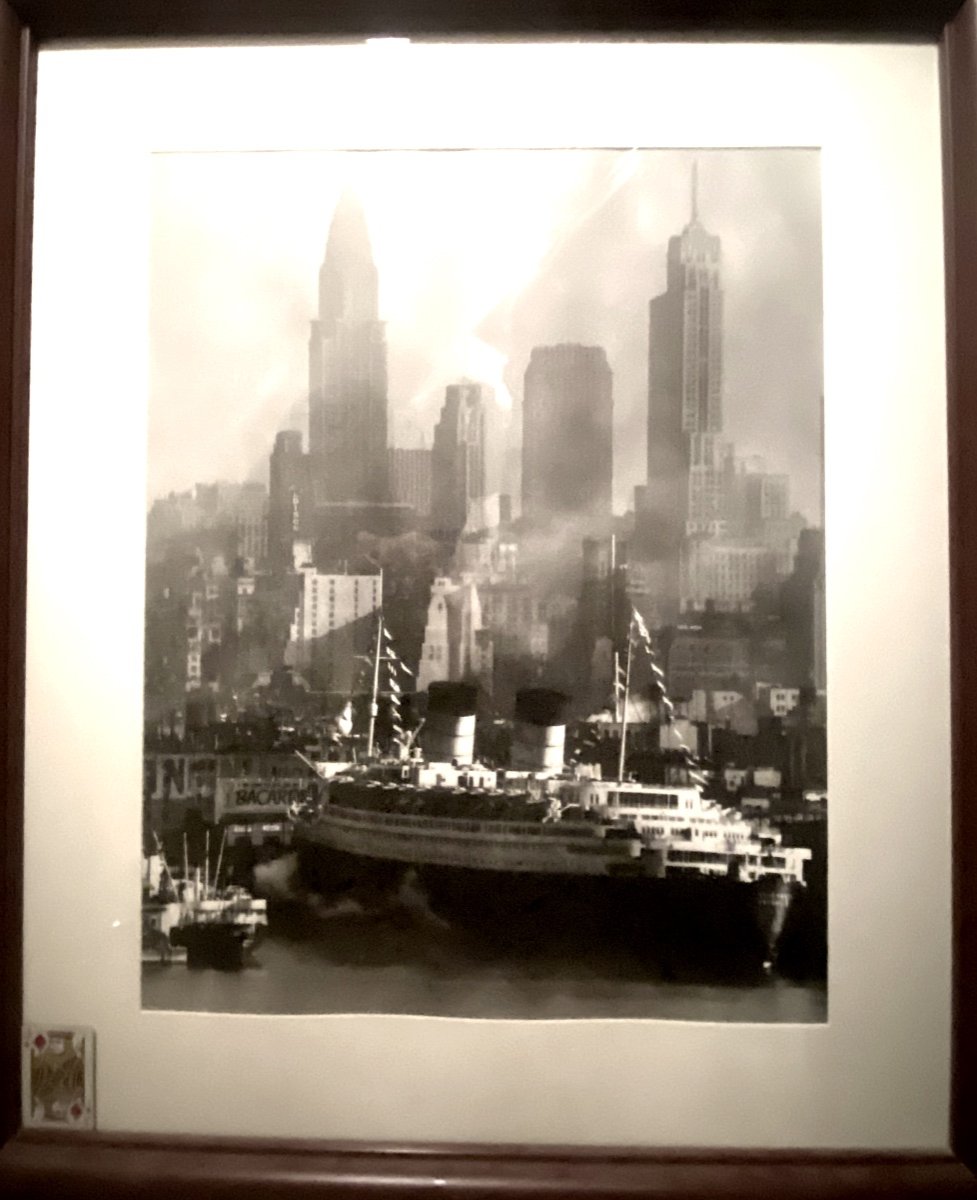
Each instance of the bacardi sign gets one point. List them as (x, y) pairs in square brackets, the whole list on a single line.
[(266, 796)]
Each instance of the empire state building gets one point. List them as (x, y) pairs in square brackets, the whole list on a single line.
[(686, 490), (685, 384), (348, 369)]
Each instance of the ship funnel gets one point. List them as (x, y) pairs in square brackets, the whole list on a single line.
[(540, 730), (448, 734)]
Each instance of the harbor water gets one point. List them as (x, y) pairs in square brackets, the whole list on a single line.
[(342, 960)]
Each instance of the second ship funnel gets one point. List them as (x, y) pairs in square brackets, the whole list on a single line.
[(540, 730), (449, 726)]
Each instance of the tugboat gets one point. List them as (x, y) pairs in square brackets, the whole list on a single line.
[(541, 856), (213, 927)]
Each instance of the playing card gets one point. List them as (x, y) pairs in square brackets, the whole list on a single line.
[(58, 1080)]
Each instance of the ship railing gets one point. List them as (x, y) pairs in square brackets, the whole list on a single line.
[(717, 858), (426, 824), (718, 870)]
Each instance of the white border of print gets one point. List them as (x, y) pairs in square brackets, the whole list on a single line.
[(877, 1074)]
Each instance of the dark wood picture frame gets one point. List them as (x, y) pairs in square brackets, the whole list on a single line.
[(35, 1164)]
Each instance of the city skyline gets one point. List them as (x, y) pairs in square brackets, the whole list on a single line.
[(598, 197), (541, 716)]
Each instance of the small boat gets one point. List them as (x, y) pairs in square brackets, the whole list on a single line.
[(190, 918)]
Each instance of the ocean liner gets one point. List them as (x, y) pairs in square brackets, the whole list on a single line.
[(539, 856)]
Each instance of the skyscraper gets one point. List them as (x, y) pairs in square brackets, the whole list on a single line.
[(333, 625), (410, 477), (686, 453), (567, 442), (689, 464), (348, 369), (288, 497), (459, 456), (457, 646)]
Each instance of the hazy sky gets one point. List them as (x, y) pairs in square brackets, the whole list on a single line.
[(481, 256)]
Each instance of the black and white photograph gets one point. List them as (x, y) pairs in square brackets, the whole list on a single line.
[(485, 666)]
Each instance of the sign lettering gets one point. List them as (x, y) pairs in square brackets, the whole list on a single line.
[(235, 796)]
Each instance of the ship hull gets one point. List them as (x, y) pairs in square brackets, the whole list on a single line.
[(673, 926), (224, 947)]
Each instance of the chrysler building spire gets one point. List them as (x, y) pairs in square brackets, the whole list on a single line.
[(348, 276), (695, 191), (348, 367)]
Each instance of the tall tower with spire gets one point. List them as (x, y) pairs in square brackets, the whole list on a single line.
[(348, 368), (686, 489)]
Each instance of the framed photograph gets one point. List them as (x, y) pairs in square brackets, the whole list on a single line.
[(517, 555)]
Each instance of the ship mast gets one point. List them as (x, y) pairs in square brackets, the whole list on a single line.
[(624, 707), (220, 856), (164, 865), (617, 687), (376, 688)]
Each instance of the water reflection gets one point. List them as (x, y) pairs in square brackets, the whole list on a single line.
[(342, 960)]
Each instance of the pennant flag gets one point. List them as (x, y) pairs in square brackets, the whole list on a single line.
[(620, 677)]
